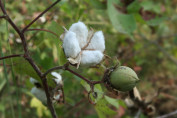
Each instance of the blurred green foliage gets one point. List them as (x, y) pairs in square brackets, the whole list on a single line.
[(141, 34)]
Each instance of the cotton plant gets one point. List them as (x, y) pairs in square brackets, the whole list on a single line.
[(83, 47), (39, 93)]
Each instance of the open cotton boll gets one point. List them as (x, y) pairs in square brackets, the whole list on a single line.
[(91, 57), (58, 78), (71, 45), (33, 81), (39, 94), (97, 42), (81, 32)]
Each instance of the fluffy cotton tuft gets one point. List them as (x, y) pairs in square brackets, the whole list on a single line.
[(58, 78), (33, 81), (39, 94), (82, 46), (97, 42), (71, 45), (81, 32), (91, 57)]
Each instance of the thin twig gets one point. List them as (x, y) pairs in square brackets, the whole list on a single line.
[(40, 15), (43, 30), (80, 76), (52, 69), (168, 115), (90, 82), (49, 101), (2, 8), (11, 56), (2, 16)]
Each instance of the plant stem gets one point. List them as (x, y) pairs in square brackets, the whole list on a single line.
[(2, 16), (80, 76), (40, 15), (11, 56), (90, 82), (54, 68), (43, 30), (27, 55)]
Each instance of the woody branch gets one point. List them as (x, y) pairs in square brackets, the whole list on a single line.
[(26, 54)]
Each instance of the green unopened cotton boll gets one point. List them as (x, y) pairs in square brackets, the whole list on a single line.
[(123, 79)]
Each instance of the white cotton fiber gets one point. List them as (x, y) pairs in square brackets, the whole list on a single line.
[(81, 32), (56, 97), (91, 57), (33, 81), (71, 45), (97, 42), (39, 94), (58, 78)]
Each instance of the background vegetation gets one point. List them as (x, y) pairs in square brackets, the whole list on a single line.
[(140, 33)]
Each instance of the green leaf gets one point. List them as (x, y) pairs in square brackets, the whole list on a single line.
[(124, 23), (122, 103), (97, 4), (61, 56), (134, 7), (3, 28), (150, 6), (2, 84), (97, 89), (41, 109), (156, 21), (22, 67), (56, 28), (112, 101), (139, 18), (103, 110), (85, 85), (175, 40)]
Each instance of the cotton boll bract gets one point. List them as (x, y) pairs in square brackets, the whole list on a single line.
[(71, 45), (97, 42), (91, 57), (39, 94), (81, 32)]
